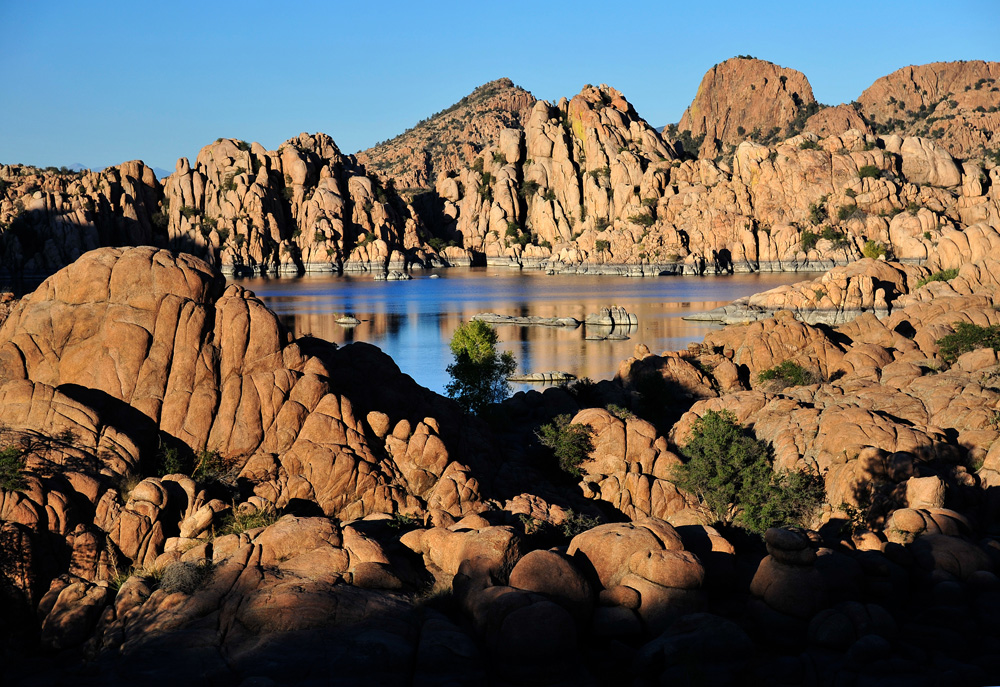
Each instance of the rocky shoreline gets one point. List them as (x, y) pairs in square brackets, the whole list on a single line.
[(377, 518)]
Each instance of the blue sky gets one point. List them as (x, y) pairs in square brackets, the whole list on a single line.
[(104, 82)]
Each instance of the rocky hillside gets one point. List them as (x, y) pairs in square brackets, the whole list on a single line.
[(450, 139), (955, 103), (747, 99), (49, 218), (588, 185), (203, 498), (303, 207)]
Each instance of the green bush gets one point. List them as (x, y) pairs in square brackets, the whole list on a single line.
[(171, 460), (185, 577), (869, 172), (731, 473), (817, 212), (499, 158), (968, 337), (808, 240), (576, 523), (549, 195), (12, 462), (787, 373), (601, 246), (873, 250), (512, 229), (479, 373), (846, 212), (643, 220), (619, 412), (809, 144), (570, 442), (528, 189), (941, 275)]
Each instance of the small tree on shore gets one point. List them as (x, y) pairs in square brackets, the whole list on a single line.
[(479, 373)]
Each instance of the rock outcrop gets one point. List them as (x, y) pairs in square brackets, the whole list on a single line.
[(304, 207), (50, 218), (956, 103), (744, 97), (205, 498), (450, 139)]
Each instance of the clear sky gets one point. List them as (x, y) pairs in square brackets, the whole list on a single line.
[(101, 82)]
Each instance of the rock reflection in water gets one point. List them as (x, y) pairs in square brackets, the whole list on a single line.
[(413, 321)]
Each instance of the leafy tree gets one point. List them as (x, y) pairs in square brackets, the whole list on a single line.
[(730, 472), (479, 373), (569, 441), (12, 461)]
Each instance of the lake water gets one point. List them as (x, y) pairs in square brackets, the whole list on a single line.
[(413, 320)]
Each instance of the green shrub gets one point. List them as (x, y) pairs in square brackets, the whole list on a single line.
[(837, 238), (643, 220), (809, 144), (570, 442), (499, 158), (528, 189), (968, 337), (477, 164), (602, 223), (817, 211), (185, 577), (549, 195), (622, 414), (576, 523), (479, 373), (846, 212), (171, 460), (12, 462), (189, 212), (402, 522), (602, 246), (808, 240), (512, 229), (869, 172), (731, 473), (237, 522), (873, 250), (941, 275), (788, 373)]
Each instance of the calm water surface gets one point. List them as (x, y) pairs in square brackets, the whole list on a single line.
[(413, 321)]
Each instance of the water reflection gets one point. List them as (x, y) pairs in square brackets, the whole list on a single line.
[(413, 321)]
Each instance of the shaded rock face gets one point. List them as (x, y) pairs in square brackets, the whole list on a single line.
[(51, 218), (305, 206), (450, 139), (740, 96), (956, 101), (404, 573), (128, 343)]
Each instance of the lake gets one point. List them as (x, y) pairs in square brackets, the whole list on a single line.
[(413, 320)]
